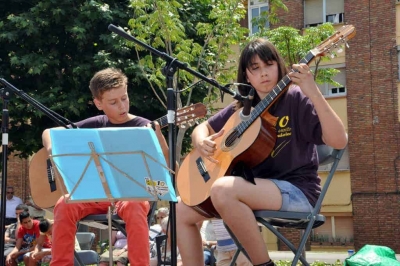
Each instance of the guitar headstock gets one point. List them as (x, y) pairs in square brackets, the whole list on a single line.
[(188, 115), (335, 41)]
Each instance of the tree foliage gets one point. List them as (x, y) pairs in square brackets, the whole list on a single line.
[(195, 33), (50, 50)]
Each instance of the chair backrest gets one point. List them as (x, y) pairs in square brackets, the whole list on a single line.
[(85, 240), (325, 154)]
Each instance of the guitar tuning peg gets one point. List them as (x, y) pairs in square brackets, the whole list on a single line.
[(340, 50), (332, 55), (347, 44)]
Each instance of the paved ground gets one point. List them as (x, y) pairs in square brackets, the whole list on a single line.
[(329, 257)]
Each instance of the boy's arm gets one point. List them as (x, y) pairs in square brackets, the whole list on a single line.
[(163, 145), (46, 141), (7, 238), (39, 243), (17, 247)]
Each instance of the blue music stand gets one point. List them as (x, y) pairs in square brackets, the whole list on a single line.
[(110, 164)]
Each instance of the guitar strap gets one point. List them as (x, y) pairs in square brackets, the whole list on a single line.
[(242, 170)]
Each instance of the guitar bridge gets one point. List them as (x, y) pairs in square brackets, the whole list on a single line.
[(202, 169), (50, 176)]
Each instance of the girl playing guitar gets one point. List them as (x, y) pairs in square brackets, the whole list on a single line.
[(287, 179)]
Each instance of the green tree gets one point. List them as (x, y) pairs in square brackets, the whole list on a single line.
[(195, 33), (50, 50)]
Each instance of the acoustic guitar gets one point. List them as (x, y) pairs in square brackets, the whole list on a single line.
[(41, 171), (244, 142)]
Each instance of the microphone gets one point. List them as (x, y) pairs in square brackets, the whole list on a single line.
[(245, 112)]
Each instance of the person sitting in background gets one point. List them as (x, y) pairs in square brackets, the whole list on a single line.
[(11, 203), (27, 234), (42, 250), (120, 250), (161, 213), (10, 234), (166, 247), (209, 241), (226, 247)]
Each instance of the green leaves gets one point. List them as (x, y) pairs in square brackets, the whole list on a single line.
[(50, 50), (294, 45)]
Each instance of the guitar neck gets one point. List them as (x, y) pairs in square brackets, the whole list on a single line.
[(267, 102), (163, 121)]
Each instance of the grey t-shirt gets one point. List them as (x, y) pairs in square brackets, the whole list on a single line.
[(294, 157)]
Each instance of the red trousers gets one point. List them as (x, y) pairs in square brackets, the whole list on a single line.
[(66, 216)]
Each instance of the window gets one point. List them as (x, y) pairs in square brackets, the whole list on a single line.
[(335, 229), (320, 11), (330, 90), (256, 9)]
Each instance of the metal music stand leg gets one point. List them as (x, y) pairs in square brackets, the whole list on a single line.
[(110, 247)]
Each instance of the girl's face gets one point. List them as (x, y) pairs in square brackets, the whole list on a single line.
[(262, 76)]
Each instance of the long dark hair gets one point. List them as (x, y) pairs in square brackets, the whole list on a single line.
[(266, 51)]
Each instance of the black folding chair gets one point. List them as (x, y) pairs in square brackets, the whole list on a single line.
[(299, 220)]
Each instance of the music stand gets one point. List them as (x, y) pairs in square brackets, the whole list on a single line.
[(111, 164)]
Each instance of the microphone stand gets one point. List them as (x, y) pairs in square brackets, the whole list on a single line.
[(172, 64), (5, 95)]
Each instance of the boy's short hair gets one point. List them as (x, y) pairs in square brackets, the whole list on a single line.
[(23, 215), (107, 79), (22, 207), (44, 225)]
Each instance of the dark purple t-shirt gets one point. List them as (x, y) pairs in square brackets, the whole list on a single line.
[(102, 121), (294, 157)]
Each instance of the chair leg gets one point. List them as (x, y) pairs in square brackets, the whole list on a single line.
[(303, 240), (240, 248), (286, 242), (235, 256)]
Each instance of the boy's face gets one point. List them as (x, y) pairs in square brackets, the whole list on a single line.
[(115, 104), (27, 223)]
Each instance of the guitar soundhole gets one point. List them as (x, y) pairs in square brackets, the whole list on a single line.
[(231, 139)]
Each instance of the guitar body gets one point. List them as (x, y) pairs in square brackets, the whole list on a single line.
[(251, 148), (39, 183)]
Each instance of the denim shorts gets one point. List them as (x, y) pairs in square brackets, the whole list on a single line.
[(293, 199)]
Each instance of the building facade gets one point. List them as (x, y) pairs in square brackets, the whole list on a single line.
[(363, 203)]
